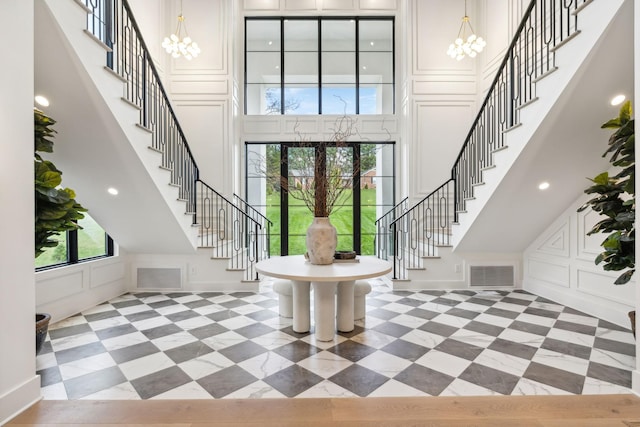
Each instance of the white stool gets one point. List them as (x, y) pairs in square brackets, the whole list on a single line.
[(284, 289), (360, 290)]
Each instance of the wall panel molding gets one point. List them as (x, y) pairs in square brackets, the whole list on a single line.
[(557, 242), (554, 273), (559, 265), (599, 284)]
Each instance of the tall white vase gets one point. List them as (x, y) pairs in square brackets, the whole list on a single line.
[(322, 240)]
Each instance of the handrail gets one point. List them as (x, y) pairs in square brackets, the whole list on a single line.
[(251, 208), (383, 243), (112, 22), (393, 209), (230, 231), (424, 199), (530, 55), (420, 231)]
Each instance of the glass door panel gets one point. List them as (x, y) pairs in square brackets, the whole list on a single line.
[(300, 175)]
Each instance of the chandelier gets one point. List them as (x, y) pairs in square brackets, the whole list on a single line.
[(177, 44), (466, 45)]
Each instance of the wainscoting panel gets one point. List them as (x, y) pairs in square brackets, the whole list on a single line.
[(300, 5), (262, 5), (598, 284), (102, 274), (588, 246), (378, 5), (557, 243), (559, 265), (550, 272), (65, 291), (58, 286)]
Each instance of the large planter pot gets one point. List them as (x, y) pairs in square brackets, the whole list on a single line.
[(42, 326), (322, 240)]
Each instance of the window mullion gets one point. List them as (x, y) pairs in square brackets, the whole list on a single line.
[(319, 66), (357, 65)]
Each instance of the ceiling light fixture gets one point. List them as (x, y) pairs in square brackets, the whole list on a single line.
[(543, 185), (178, 45), (112, 191), (617, 100), (41, 100), (466, 45)]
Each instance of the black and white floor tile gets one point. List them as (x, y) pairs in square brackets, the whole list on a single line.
[(427, 343)]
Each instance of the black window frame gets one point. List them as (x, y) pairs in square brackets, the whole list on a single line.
[(319, 20), (284, 171), (72, 252)]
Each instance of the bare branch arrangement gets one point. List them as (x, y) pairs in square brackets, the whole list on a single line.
[(321, 171)]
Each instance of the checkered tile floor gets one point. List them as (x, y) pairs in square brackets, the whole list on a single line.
[(437, 343)]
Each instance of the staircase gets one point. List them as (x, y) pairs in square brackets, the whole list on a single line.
[(533, 126), (117, 129)]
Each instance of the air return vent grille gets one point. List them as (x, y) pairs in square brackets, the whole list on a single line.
[(159, 278), (491, 275)]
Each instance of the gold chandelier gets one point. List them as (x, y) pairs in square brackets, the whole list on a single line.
[(466, 45), (178, 44)]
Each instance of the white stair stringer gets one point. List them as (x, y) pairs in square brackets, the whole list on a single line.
[(98, 137), (556, 141), (446, 270)]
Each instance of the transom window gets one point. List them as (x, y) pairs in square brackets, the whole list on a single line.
[(334, 65)]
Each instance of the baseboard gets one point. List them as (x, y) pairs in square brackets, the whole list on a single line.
[(16, 401), (635, 382)]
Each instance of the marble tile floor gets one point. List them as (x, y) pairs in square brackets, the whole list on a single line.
[(429, 343)]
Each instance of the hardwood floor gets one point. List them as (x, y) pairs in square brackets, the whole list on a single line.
[(507, 411)]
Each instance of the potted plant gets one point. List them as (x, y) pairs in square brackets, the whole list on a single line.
[(615, 200), (56, 209)]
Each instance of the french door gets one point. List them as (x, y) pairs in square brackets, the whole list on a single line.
[(278, 175)]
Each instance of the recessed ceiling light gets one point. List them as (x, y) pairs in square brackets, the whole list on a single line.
[(42, 101), (543, 185), (364, 67), (112, 191), (372, 43), (617, 100), (270, 43)]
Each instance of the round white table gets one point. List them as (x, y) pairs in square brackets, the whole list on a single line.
[(325, 280)]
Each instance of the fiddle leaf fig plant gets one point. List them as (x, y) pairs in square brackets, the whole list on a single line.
[(615, 199), (56, 209)]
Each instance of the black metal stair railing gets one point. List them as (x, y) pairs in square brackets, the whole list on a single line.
[(546, 25), (530, 56), (421, 230), (113, 23), (229, 230), (383, 242), (258, 217)]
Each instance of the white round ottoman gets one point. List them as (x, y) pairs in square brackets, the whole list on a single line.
[(284, 289), (360, 290)]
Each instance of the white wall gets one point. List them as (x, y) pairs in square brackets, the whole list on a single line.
[(195, 273), (65, 291), (559, 265), (201, 89), (19, 385)]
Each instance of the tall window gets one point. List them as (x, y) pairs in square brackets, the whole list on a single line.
[(90, 242), (369, 194), (319, 65)]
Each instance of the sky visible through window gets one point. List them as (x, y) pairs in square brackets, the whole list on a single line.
[(302, 100)]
